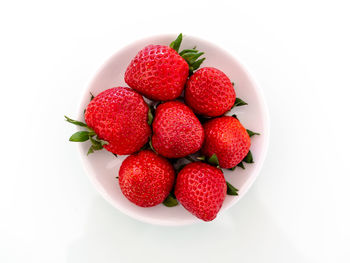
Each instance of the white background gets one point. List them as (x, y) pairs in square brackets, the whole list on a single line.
[(298, 209)]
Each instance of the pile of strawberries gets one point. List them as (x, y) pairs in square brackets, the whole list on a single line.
[(161, 135)]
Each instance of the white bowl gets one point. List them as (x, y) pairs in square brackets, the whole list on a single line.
[(102, 167)]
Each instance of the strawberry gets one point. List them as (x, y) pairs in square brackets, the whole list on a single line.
[(160, 72), (227, 139), (146, 178), (209, 92), (116, 119), (201, 189), (176, 130)]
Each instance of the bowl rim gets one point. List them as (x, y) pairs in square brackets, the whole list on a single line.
[(265, 134)]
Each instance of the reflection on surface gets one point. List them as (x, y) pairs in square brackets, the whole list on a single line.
[(245, 233)]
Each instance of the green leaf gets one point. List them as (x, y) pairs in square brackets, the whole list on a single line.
[(94, 142), (79, 123), (188, 51), (92, 96), (150, 116), (100, 141), (239, 102), (197, 64), (103, 142), (96, 145), (251, 133), (151, 146), (248, 158), (234, 116), (170, 201), (176, 43), (231, 190), (192, 57), (214, 160), (91, 150), (232, 169), (80, 136), (241, 165)]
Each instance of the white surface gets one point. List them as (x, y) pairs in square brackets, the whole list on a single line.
[(297, 210), (103, 167)]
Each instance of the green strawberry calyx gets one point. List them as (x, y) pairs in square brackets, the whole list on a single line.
[(249, 157), (213, 160), (87, 134), (150, 116), (170, 201), (231, 190), (239, 102), (251, 133), (191, 56)]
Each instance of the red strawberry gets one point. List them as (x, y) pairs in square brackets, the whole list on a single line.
[(118, 117), (159, 72), (201, 189), (228, 139), (146, 178), (210, 92), (176, 130)]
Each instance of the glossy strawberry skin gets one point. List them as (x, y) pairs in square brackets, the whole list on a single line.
[(119, 116), (177, 132), (146, 178), (228, 139), (201, 189), (209, 92), (157, 72)]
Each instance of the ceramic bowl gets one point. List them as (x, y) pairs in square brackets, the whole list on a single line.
[(102, 167)]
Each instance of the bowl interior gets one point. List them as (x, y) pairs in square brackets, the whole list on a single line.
[(103, 167)]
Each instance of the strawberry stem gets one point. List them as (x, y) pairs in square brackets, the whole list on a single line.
[(201, 158)]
